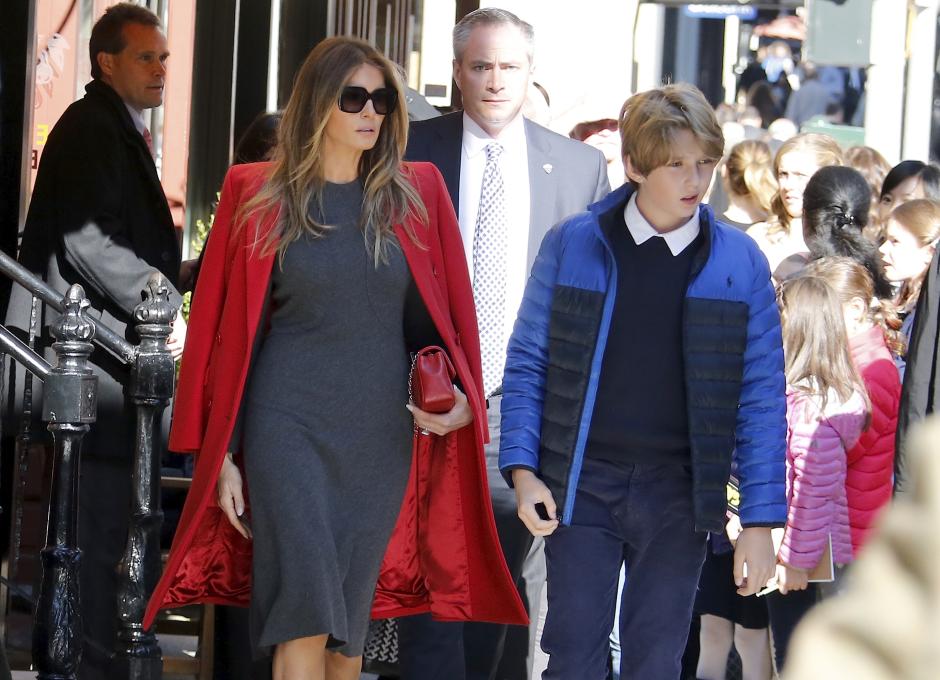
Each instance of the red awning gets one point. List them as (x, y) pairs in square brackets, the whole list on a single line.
[(788, 27)]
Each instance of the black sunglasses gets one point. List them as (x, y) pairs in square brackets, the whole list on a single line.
[(353, 99)]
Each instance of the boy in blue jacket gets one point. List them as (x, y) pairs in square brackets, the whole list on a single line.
[(647, 350)]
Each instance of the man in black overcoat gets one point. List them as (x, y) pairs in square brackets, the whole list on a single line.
[(98, 217)]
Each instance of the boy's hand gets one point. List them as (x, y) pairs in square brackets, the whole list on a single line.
[(755, 549), (733, 529), (530, 490), (791, 578)]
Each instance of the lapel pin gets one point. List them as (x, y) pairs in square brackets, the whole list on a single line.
[(547, 168)]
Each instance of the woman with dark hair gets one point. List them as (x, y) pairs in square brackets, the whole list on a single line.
[(258, 141), (908, 180), (256, 145), (761, 97), (326, 266), (835, 211)]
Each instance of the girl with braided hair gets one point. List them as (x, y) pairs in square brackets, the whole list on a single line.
[(911, 233)]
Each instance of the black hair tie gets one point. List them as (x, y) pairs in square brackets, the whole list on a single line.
[(844, 219)]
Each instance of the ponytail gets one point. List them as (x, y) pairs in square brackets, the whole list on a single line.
[(750, 172)]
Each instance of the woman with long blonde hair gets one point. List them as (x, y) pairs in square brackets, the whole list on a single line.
[(797, 159), (827, 410), (326, 266)]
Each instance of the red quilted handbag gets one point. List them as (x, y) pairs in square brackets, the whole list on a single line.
[(431, 385)]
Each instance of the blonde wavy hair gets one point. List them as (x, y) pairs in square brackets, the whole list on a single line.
[(749, 172), (824, 149), (874, 168), (297, 176), (850, 280), (815, 343)]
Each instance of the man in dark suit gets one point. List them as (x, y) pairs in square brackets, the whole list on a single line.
[(98, 217), (510, 181)]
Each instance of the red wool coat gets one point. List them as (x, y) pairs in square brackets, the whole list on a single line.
[(444, 555), (870, 474)]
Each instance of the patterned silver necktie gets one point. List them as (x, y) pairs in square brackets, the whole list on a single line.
[(490, 244)]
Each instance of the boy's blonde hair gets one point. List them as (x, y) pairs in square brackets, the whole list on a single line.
[(649, 121)]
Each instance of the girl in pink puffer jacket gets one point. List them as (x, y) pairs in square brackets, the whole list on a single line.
[(827, 411)]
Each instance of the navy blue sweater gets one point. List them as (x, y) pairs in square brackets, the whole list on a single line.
[(640, 414)]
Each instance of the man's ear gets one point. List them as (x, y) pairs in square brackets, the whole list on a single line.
[(456, 67), (106, 63), (633, 174)]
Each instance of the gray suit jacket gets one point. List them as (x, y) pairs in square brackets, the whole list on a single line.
[(565, 176)]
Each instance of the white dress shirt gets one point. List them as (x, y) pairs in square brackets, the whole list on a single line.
[(136, 117), (514, 164), (642, 231)]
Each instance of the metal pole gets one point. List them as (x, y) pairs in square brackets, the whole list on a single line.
[(69, 405), (16, 348), (138, 653)]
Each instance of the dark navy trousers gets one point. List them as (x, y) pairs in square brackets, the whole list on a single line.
[(637, 514)]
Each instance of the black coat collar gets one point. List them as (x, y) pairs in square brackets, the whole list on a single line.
[(105, 94)]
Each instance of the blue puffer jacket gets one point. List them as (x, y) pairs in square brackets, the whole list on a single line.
[(735, 387)]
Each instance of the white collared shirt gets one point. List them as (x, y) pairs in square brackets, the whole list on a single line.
[(514, 163), (137, 117), (642, 231)]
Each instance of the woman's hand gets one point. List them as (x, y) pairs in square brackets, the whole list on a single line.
[(442, 423), (791, 578), (177, 337), (231, 499)]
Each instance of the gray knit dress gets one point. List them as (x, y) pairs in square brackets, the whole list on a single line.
[(327, 438)]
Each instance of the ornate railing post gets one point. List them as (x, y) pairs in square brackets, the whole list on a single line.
[(152, 378), (69, 405)]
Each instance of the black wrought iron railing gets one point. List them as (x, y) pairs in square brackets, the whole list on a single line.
[(69, 407)]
